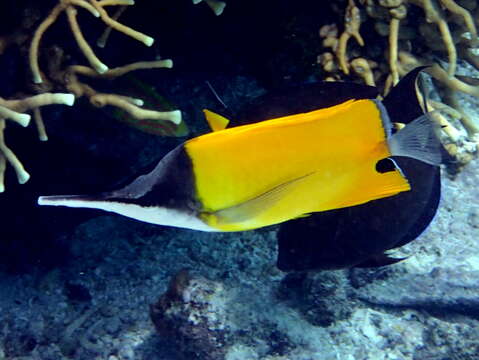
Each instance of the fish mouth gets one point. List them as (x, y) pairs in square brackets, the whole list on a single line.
[(72, 200)]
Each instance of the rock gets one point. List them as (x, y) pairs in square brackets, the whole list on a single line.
[(192, 314), (320, 297)]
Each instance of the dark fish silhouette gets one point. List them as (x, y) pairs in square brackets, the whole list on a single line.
[(359, 236)]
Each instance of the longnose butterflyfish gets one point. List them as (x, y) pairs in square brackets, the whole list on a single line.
[(254, 175)]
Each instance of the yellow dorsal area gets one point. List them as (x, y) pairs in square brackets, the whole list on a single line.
[(215, 121), (272, 171)]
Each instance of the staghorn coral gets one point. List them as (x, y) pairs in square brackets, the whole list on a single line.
[(59, 75), (68, 78), (14, 110), (396, 22), (96, 8)]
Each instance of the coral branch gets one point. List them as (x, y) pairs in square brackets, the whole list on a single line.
[(397, 14), (35, 101), (361, 67), (433, 15), (103, 3), (42, 132), (102, 40), (96, 9), (9, 156), (145, 39), (393, 49), (122, 70), (466, 16), (83, 4), (82, 43), (352, 21), (19, 118), (101, 100), (13, 110), (37, 36)]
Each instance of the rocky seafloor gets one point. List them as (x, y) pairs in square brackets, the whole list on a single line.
[(229, 301)]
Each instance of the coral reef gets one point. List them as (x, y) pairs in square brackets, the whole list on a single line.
[(407, 36), (61, 76), (68, 78)]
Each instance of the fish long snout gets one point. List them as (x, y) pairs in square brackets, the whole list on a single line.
[(79, 201)]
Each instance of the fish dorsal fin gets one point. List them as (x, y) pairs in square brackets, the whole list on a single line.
[(215, 121), (402, 102), (254, 207)]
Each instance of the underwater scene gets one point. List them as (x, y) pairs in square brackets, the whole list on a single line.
[(239, 180)]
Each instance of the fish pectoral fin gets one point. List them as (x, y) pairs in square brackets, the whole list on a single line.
[(215, 121), (254, 207)]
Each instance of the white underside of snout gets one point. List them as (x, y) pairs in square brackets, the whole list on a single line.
[(152, 214)]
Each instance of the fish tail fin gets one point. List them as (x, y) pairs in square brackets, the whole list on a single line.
[(417, 140)]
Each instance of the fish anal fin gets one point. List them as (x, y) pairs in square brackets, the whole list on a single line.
[(215, 121)]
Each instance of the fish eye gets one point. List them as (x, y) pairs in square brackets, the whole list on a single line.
[(385, 165)]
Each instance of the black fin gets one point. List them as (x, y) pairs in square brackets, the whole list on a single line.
[(402, 103), (378, 261), (302, 98), (343, 238), (425, 218)]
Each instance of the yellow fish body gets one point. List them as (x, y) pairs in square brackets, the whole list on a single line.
[(265, 173), (276, 170)]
